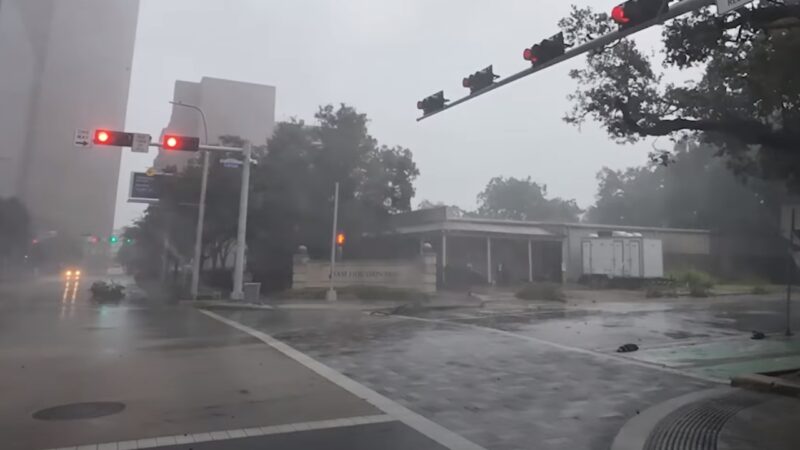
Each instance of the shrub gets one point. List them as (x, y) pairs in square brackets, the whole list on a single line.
[(107, 292), (541, 291), (759, 289), (698, 282)]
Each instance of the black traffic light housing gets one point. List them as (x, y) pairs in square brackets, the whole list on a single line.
[(635, 12), (480, 80), (432, 103), (114, 138), (182, 143), (546, 50)]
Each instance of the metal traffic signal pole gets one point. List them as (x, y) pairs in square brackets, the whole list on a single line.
[(676, 10), (238, 270), (201, 210), (241, 231), (331, 294)]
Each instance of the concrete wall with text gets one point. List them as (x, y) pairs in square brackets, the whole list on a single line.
[(419, 274)]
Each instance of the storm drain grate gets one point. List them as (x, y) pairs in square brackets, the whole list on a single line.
[(697, 426), (76, 411)]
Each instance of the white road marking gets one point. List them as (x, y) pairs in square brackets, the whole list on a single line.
[(595, 354), (425, 426), (233, 434)]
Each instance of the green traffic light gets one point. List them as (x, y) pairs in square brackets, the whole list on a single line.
[(113, 239)]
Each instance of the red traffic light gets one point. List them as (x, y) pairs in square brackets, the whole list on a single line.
[(480, 80), (115, 138), (185, 143), (618, 14), (340, 238), (529, 55), (432, 103), (545, 51), (636, 12)]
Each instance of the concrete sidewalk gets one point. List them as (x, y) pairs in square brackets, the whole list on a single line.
[(720, 418)]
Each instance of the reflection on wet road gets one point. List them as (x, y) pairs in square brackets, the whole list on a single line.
[(71, 285)]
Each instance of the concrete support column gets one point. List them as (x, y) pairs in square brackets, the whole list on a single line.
[(530, 261), (489, 268), (444, 258), (564, 259)]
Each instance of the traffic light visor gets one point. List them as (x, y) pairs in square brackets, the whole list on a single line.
[(619, 16)]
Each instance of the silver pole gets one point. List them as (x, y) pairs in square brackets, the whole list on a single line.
[(331, 295), (241, 233), (789, 273), (198, 239), (201, 211)]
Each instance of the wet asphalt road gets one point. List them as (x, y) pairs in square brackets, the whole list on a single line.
[(506, 380), (541, 376), (172, 374)]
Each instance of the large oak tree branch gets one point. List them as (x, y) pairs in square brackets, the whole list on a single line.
[(747, 131)]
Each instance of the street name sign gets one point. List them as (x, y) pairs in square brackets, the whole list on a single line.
[(83, 138), (726, 6), (141, 143)]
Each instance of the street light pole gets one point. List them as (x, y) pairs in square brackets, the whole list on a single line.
[(241, 232), (201, 212), (331, 295)]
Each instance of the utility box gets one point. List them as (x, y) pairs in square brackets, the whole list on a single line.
[(623, 255)]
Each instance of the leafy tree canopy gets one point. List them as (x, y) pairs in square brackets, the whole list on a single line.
[(523, 199), (696, 191), (745, 99), (291, 199)]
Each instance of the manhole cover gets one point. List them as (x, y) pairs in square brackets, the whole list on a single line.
[(76, 411)]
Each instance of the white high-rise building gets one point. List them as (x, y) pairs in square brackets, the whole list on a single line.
[(235, 108), (64, 65)]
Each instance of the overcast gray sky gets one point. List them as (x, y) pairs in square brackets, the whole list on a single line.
[(381, 57)]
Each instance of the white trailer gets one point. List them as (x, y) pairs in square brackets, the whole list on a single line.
[(622, 256)]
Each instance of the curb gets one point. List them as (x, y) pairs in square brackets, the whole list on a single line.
[(203, 304), (766, 383), (633, 435)]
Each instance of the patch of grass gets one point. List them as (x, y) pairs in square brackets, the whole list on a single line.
[(660, 291), (355, 292), (302, 294), (381, 293), (541, 291)]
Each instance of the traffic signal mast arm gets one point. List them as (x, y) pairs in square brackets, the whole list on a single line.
[(220, 148), (678, 9)]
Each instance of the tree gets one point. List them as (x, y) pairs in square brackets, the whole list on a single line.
[(746, 103), (15, 232), (512, 198), (291, 200), (294, 181), (697, 190)]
